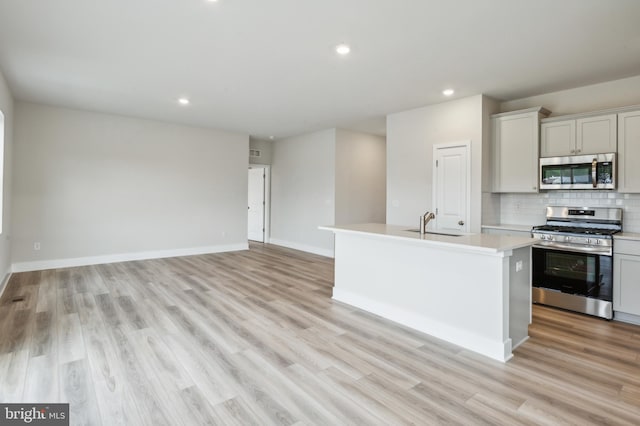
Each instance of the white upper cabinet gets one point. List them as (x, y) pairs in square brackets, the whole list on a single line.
[(629, 151), (515, 141), (597, 135), (588, 135), (558, 138)]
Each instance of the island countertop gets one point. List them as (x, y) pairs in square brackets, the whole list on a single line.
[(481, 243)]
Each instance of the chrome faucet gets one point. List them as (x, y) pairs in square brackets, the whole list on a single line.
[(424, 220)]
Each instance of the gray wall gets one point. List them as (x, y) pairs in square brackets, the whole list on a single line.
[(410, 139), (6, 105), (610, 94), (89, 184), (330, 177), (303, 191), (360, 178), (265, 147)]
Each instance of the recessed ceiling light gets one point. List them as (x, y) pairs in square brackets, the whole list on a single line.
[(272, 137), (343, 49), (183, 101), (448, 92)]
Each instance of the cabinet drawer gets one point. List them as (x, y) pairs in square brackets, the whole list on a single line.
[(626, 247)]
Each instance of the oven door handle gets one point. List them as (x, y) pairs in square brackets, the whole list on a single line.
[(594, 173), (568, 247)]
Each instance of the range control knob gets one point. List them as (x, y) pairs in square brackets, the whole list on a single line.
[(588, 240), (567, 238), (598, 241)]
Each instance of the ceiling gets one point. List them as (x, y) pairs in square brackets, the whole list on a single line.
[(269, 68)]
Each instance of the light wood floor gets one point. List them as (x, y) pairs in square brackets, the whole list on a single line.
[(253, 337)]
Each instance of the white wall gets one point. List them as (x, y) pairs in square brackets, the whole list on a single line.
[(360, 178), (90, 185), (410, 139), (265, 147), (303, 191), (7, 106)]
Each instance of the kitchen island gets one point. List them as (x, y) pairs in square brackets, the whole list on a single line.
[(472, 290)]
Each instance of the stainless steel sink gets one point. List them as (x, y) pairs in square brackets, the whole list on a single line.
[(435, 233)]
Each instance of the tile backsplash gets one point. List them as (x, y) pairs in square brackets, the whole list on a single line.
[(529, 209)]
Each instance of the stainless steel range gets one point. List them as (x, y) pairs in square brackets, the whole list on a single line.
[(572, 259)]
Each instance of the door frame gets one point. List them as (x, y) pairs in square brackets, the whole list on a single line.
[(434, 188), (267, 199)]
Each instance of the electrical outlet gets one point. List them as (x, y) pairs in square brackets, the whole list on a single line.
[(519, 266), (36, 245)]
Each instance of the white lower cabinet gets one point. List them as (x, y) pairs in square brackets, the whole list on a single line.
[(626, 277)]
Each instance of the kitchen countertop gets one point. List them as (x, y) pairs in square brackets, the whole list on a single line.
[(508, 227), (627, 236), (482, 243)]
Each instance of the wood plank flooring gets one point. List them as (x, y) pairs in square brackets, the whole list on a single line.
[(253, 337)]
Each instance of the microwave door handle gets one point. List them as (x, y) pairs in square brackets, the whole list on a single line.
[(594, 173)]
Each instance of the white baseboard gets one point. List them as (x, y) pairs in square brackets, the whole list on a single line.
[(500, 351), (628, 318), (4, 282), (122, 257), (302, 247)]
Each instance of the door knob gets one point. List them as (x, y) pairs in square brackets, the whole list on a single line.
[(461, 222)]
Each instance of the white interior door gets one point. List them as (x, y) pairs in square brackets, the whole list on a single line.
[(256, 204), (451, 185)]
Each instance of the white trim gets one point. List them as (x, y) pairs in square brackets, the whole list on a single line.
[(303, 247), (500, 351), (628, 318), (122, 257), (267, 198), (520, 342), (5, 280), (434, 193)]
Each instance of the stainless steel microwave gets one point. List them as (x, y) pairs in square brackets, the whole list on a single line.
[(597, 171)]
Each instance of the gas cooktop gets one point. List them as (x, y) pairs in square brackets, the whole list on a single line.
[(575, 230)]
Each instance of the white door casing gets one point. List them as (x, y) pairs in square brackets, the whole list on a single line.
[(256, 191), (451, 186)]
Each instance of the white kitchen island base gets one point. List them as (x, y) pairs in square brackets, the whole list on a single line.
[(472, 290)]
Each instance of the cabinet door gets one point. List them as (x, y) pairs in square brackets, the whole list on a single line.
[(626, 285), (558, 138), (596, 135), (515, 143), (629, 151)]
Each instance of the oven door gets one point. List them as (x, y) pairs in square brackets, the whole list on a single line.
[(585, 274)]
